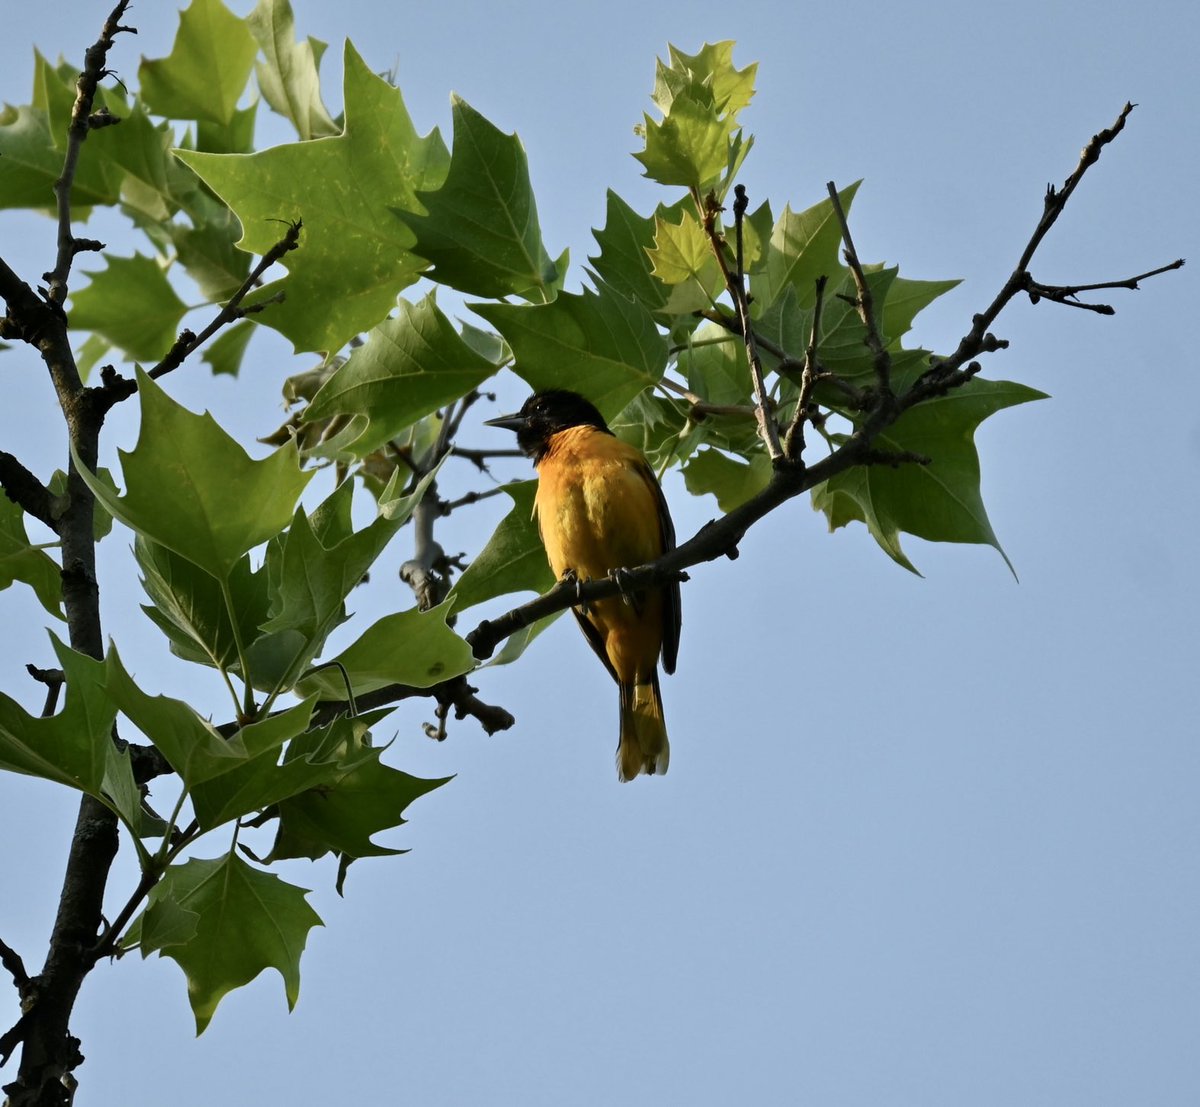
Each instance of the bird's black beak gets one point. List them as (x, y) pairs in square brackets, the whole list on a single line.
[(513, 422)]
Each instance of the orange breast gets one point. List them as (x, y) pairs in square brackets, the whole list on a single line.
[(597, 510)]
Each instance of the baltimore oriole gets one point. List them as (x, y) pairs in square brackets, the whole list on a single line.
[(599, 508)]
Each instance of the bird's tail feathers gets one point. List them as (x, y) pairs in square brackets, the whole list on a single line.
[(643, 747)]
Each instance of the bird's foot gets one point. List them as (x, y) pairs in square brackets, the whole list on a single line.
[(620, 577), (572, 578)]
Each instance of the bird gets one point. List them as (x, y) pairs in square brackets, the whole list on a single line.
[(599, 509)]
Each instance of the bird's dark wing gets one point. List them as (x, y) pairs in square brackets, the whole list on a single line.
[(672, 609)]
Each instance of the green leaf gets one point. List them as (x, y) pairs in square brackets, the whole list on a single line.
[(732, 88), (342, 815), (262, 782), (623, 262), (409, 367), (206, 249), (21, 561), (412, 647), (101, 519), (191, 487), (481, 230), (513, 560), (189, 604), (208, 67), (195, 749), (716, 365), (73, 747), (905, 299), (224, 354), (30, 163), (802, 248), (141, 149), (682, 258), (690, 145), (288, 76), (132, 305), (732, 482), (660, 428), (355, 256), (246, 921), (940, 502), (313, 568), (597, 343), (235, 137)]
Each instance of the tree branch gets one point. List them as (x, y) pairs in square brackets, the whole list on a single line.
[(736, 284), (793, 442), (721, 537), (1067, 294), (116, 388), (865, 304), (77, 132), (25, 490)]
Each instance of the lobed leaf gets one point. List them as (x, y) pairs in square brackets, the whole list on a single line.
[(355, 256), (190, 487), (409, 366), (246, 921), (480, 228), (206, 72), (598, 343), (940, 502), (131, 304)]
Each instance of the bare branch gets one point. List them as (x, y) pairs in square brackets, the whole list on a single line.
[(53, 679), (865, 304), (1067, 294), (11, 960), (793, 442), (25, 490), (81, 123)]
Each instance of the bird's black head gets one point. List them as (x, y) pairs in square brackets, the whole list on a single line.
[(545, 414)]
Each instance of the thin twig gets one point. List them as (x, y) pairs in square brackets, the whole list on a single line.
[(736, 284), (53, 679), (865, 303), (699, 407), (232, 310), (116, 388), (787, 363), (479, 458), (954, 370), (793, 442), (85, 94), (1067, 294), (447, 506), (11, 960)]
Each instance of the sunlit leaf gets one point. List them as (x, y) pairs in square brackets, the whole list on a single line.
[(355, 255), (409, 647), (206, 72), (288, 77)]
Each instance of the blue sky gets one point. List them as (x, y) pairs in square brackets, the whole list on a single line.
[(923, 841)]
